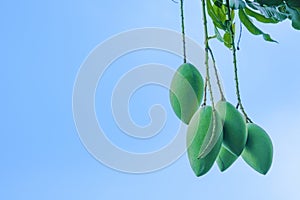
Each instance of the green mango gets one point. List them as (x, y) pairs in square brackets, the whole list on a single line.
[(200, 132), (186, 91), (234, 127), (258, 152), (270, 2), (225, 159)]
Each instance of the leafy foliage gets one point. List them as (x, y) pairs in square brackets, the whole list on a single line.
[(251, 27), (249, 11)]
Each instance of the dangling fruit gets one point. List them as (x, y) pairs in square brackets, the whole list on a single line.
[(204, 131), (186, 92), (225, 159), (258, 152), (234, 128)]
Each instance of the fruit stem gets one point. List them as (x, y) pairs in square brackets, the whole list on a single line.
[(183, 31), (206, 53), (208, 50), (235, 64), (217, 74), (205, 92), (206, 149)]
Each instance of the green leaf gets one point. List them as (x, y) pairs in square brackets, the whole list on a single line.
[(259, 17), (293, 3), (251, 27), (233, 28), (272, 12), (270, 2), (220, 13), (295, 17), (218, 3), (218, 34), (227, 40), (237, 4), (232, 14), (215, 18)]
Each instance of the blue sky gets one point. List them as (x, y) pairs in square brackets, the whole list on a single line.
[(43, 44)]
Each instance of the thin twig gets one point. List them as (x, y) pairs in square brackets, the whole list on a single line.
[(205, 91), (203, 152), (206, 53), (183, 31), (235, 64), (240, 36), (216, 74)]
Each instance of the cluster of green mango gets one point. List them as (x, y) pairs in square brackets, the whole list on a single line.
[(216, 134)]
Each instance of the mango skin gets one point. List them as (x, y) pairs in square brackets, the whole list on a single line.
[(225, 159), (258, 152), (186, 92), (234, 127), (198, 129)]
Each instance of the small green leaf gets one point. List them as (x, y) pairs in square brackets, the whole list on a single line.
[(218, 34), (259, 17), (252, 28), (233, 28), (227, 40), (232, 15), (217, 22), (219, 13)]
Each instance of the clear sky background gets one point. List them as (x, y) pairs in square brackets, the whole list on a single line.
[(43, 44)]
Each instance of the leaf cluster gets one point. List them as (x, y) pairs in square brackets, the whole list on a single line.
[(249, 12)]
